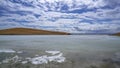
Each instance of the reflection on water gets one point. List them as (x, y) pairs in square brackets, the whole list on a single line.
[(80, 50)]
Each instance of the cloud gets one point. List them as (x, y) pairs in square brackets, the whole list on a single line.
[(84, 16), (112, 3)]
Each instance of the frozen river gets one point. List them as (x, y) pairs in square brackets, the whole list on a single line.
[(81, 50)]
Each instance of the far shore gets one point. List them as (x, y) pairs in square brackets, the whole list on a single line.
[(116, 34), (29, 31)]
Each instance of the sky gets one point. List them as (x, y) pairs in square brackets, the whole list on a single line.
[(74, 16)]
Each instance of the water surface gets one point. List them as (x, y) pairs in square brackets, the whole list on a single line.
[(81, 49)]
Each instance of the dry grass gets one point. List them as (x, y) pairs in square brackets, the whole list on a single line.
[(28, 31), (117, 34)]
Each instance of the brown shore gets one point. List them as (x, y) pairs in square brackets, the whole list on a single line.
[(29, 31), (116, 34)]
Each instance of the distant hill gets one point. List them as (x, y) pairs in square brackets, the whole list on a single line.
[(29, 31), (117, 34)]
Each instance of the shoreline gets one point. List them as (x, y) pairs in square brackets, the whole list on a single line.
[(30, 31)]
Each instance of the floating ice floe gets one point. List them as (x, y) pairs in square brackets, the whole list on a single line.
[(24, 62), (7, 51), (118, 55), (116, 58), (45, 59), (28, 58), (6, 61), (53, 52), (39, 60), (36, 55), (10, 51), (56, 57), (15, 59), (19, 52)]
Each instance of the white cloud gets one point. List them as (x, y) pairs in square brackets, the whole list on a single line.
[(61, 21)]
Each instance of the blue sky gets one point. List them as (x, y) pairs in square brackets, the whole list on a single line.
[(75, 16)]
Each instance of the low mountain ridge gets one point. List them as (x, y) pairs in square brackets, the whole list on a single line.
[(116, 34), (29, 31)]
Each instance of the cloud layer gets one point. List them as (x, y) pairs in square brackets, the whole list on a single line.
[(83, 16)]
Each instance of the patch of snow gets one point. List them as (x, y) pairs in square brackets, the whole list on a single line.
[(57, 58), (19, 52), (36, 55), (39, 60), (7, 51), (118, 55), (24, 62), (53, 52), (15, 59), (28, 58), (45, 59), (116, 58), (6, 61)]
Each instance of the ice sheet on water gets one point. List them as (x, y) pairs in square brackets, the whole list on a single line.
[(39, 60), (24, 62), (19, 52), (57, 56), (53, 52), (7, 51), (45, 59), (15, 59)]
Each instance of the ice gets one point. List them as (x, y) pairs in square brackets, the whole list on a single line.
[(45, 59), (24, 62), (19, 52), (36, 55), (28, 58), (6, 61), (118, 55), (39, 60), (56, 56), (116, 58), (53, 52), (7, 51), (15, 59)]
